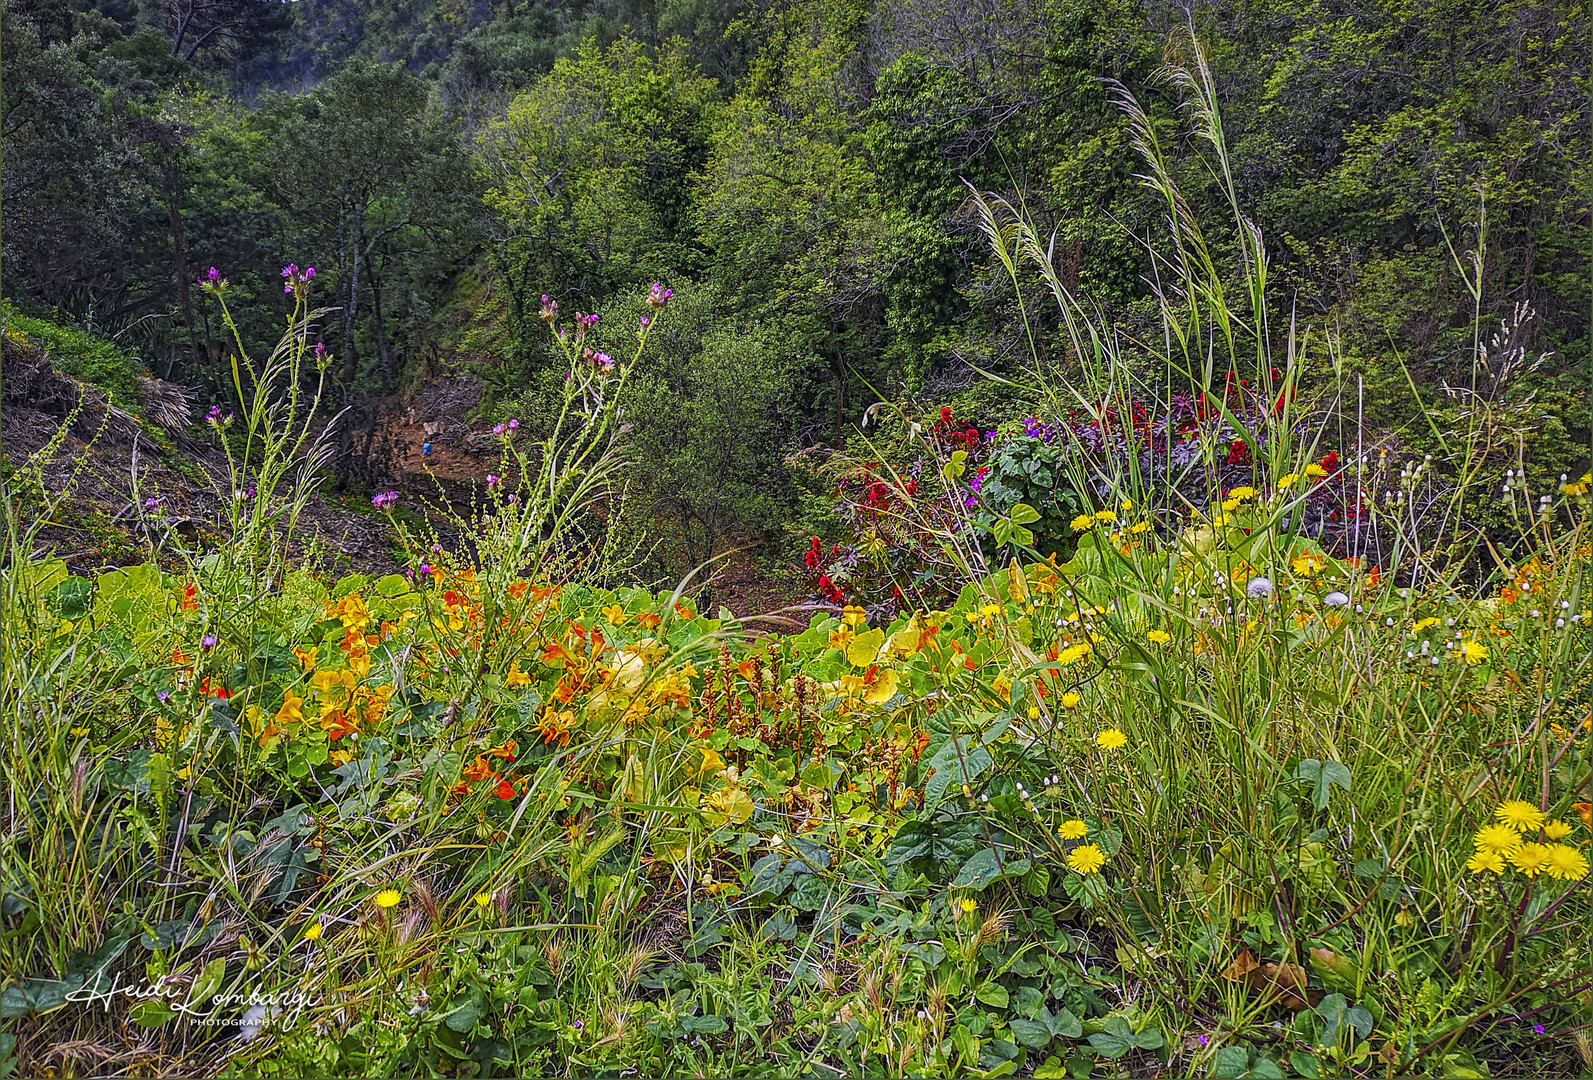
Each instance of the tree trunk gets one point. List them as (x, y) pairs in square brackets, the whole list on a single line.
[(389, 376), (355, 241), (173, 184)]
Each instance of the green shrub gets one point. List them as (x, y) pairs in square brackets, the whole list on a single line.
[(79, 354)]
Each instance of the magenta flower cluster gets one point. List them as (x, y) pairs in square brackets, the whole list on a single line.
[(294, 277), (385, 500)]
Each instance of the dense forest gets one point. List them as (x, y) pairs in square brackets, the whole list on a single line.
[(799, 171)]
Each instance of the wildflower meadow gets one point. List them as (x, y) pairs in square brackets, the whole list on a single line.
[(1173, 725)]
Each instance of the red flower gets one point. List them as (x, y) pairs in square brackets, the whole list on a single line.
[(505, 790), (945, 414), (1237, 451)]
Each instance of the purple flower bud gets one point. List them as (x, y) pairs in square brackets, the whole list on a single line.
[(384, 500), (214, 414), (289, 270), (1204, 1039), (320, 348), (309, 272), (514, 425), (604, 362), (646, 322), (162, 696), (577, 1025), (499, 429), (658, 296), (492, 481), (1537, 1029), (150, 504), (208, 641), (423, 569), (436, 549)]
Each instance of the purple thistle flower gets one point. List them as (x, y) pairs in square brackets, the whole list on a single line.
[(289, 270), (384, 500), (646, 322), (514, 425), (212, 282), (492, 481), (499, 429), (150, 504), (320, 348), (604, 362), (423, 569), (658, 296), (214, 415), (1537, 1029), (208, 641)]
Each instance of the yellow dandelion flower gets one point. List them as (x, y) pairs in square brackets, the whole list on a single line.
[(1069, 700), (388, 898), (1486, 862), (1286, 482), (1086, 859), (1231, 504), (484, 898), (1530, 859), (313, 932), (1473, 652), (1139, 527), (1422, 624), (1556, 829), (1242, 493), (1497, 838), (1519, 815), (1082, 523), (1111, 739), (1073, 829), (1073, 652), (1034, 712), (969, 904), (1564, 862), (1106, 516), (1159, 637), (1126, 504), (1220, 520), (1315, 471)]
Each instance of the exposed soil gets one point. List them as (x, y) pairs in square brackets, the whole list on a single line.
[(99, 525)]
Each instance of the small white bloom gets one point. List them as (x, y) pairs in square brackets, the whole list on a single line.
[(1335, 599)]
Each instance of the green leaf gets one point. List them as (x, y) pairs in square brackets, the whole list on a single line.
[(1050, 1069), (950, 769), (1306, 1065), (993, 994), (151, 1013), (1324, 776), (464, 1016), (1023, 514), (1230, 1062), (209, 982)]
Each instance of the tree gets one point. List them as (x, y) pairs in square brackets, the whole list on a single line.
[(368, 175)]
